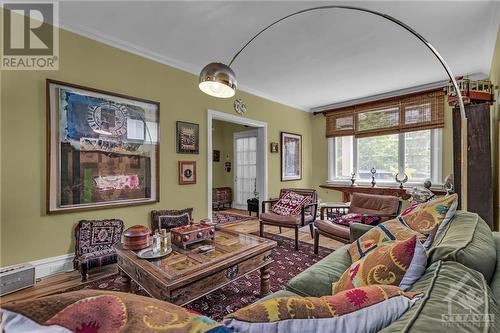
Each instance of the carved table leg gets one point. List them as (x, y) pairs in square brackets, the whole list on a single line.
[(265, 285), (128, 281)]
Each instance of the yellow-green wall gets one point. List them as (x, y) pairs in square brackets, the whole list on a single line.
[(28, 233), (222, 140), (495, 118)]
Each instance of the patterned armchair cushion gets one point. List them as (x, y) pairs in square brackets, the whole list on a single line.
[(290, 203), (350, 218), (353, 310), (93, 236), (103, 311), (383, 233), (399, 263), (170, 218)]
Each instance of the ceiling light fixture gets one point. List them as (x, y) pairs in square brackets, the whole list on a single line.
[(218, 80)]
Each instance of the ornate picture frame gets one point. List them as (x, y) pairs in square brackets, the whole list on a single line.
[(291, 156), (103, 149), (187, 137), (187, 172)]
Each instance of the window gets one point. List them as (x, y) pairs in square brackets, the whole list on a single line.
[(418, 154)]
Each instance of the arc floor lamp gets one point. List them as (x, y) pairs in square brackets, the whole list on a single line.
[(218, 80)]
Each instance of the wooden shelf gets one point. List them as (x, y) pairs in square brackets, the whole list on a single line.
[(348, 190)]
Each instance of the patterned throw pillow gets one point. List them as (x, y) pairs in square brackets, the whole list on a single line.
[(350, 218), (173, 221), (103, 311), (431, 218), (399, 263), (385, 232), (290, 203), (325, 314)]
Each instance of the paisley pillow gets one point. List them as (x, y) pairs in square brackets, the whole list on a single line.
[(398, 263), (385, 232), (431, 218), (358, 309)]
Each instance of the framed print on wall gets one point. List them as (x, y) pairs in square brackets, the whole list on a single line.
[(291, 156), (187, 172), (274, 147), (187, 137), (103, 149)]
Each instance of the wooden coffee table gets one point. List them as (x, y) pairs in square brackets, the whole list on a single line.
[(185, 275)]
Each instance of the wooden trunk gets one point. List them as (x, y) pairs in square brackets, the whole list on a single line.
[(479, 159)]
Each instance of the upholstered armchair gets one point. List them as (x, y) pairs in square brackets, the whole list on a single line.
[(94, 244), (370, 209), (293, 209)]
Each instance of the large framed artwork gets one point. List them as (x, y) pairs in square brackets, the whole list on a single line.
[(188, 138), (103, 149), (291, 156)]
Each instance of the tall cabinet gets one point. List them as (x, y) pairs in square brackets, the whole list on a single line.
[(479, 159)]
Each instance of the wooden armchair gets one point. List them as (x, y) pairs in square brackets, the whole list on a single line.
[(296, 218), (370, 206)]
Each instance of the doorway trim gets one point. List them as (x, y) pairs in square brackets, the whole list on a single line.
[(261, 151)]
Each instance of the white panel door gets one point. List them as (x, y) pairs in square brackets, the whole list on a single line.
[(245, 167)]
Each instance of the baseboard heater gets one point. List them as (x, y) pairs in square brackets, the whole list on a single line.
[(16, 278)]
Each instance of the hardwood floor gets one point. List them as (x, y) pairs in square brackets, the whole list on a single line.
[(54, 283)]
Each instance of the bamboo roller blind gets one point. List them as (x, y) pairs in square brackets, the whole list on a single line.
[(395, 115)]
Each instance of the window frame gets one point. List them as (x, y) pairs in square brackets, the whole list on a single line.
[(436, 145)]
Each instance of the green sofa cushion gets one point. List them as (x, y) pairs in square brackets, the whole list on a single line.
[(317, 279), (450, 288), (467, 239), (495, 282), (279, 293)]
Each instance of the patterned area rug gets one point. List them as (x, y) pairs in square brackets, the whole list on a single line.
[(226, 217), (287, 264)]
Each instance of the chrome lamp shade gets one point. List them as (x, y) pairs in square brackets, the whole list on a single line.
[(218, 80)]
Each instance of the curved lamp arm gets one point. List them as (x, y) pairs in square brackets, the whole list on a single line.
[(231, 78)]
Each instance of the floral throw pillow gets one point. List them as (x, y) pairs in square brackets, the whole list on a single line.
[(431, 217), (325, 314), (350, 218), (399, 263), (392, 230), (290, 203)]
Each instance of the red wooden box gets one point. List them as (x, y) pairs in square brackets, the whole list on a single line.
[(189, 234), (136, 238)]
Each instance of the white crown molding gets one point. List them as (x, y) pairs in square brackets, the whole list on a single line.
[(160, 58)]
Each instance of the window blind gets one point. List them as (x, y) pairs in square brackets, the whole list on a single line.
[(407, 113)]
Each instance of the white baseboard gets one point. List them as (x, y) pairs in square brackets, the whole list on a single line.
[(53, 265)]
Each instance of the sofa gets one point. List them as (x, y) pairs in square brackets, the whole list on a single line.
[(461, 282)]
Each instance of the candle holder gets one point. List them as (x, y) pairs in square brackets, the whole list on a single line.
[(401, 182), (373, 172)]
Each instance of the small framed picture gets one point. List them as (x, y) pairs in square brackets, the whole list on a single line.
[(291, 156), (188, 138), (187, 172), (216, 156), (274, 147)]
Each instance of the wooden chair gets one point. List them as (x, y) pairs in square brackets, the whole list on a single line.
[(307, 214), (94, 244), (385, 207)]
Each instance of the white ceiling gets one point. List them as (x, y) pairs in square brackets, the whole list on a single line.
[(311, 60)]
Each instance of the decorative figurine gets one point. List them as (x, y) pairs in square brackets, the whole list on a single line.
[(353, 178), (373, 172), (428, 184), (401, 182), (448, 184)]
